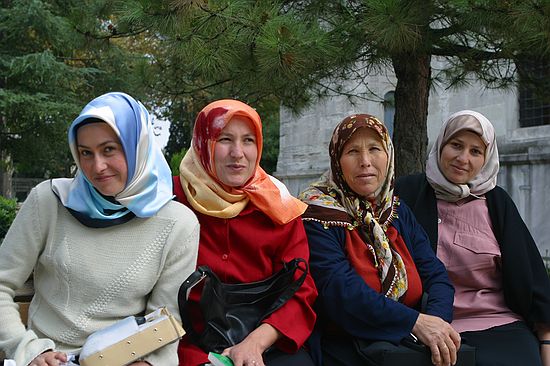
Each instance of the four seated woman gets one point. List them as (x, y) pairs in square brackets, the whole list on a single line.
[(370, 258)]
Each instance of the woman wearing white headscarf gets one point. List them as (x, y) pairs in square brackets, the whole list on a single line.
[(502, 290), (104, 245)]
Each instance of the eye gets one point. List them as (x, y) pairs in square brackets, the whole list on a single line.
[(250, 140), (84, 153), (223, 139), (455, 145), (477, 152), (110, 149)]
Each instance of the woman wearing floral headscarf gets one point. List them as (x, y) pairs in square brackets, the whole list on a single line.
[(250, 225), (104, 245), (502, 296), (370, 259)]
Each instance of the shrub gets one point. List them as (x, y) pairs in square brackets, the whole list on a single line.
[(8, 209), (176, 160)]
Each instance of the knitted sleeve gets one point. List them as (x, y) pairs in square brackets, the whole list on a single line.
[(18, 254)]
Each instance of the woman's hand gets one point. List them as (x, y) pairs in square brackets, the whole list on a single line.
[(49, 358), (437, 334), (249, 351)]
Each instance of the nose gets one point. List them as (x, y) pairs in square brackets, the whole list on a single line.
[(237, 150), (100, 164), (462, 157), (364, 159)]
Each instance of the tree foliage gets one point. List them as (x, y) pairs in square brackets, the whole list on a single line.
[(55, 56), (293, 51)]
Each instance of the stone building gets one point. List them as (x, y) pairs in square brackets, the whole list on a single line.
[(522, 127)]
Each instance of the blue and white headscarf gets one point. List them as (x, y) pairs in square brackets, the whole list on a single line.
[(149, 184)]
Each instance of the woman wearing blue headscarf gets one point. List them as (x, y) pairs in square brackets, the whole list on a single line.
[(103, 245)]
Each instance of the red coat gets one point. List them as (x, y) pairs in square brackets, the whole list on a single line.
[(250, 247)]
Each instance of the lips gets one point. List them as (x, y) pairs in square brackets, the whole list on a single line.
[(366, 175), (459, 169), (103, 178), (236, 166)]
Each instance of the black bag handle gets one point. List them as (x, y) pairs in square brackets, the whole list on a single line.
[(183, 293), (204, 271), (292, 288)]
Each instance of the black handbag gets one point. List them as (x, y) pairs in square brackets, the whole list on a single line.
[(409, 352), (232, 311)]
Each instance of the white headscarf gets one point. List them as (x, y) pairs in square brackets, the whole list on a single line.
[(486, 179)]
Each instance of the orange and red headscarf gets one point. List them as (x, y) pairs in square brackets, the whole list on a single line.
[(207, 194)]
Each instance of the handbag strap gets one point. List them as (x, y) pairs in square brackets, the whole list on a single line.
[(293, 287), (204, 271), (183, 294)]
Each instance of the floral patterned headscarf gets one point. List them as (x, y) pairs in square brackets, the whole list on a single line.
[(373, 217)]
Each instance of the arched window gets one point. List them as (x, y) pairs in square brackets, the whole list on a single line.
[(389, 111)]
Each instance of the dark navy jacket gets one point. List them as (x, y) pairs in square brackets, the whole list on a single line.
[(345, 298)]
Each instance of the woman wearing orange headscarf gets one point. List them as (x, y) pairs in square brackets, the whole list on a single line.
[(250, 225)]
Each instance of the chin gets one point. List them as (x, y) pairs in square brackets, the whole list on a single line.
[(109, 192), (233, 183)]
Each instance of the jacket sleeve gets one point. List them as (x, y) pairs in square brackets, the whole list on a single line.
[(526, 282), (435, 281), (296, 318), (344, 296), (19, 252)]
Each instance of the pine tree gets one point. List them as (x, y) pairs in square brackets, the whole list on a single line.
[(55, 56)]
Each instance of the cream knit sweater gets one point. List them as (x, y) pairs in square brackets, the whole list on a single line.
[(87, 278)]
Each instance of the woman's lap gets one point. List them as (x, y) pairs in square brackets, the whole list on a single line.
[(507, 345), (278, 358), (340, 352), (510, 344)]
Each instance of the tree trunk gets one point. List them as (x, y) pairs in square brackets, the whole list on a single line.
[(6, 173), (410, 134)]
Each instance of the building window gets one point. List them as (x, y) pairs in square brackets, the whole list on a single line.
[(534, 107), (389, 111)]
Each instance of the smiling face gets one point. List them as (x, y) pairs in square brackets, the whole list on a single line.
[(236, 152), (364, 162), (102, 158), (462, 157)]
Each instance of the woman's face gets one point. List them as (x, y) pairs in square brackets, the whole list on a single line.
[(364, 162), (236, 152), (462, 157), (102, 158)]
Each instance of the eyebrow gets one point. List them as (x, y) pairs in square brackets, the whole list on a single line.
[(370, 144), (102, 144), (475, 145), (231, 134)]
